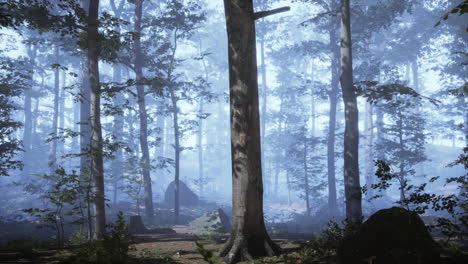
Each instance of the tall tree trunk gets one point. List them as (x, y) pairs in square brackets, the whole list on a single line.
[(118, 127), (97, 168), (351, 137), (264, 100), (118, 101), (333, 96), (249, 237), (369, 155), (61, 145), (200, 130), (53, 142), (200, 146), (27, 132), (306, 181), (76, 121), (175, 120), (85, 132), (175, 123), (145, 161), (160, 123)]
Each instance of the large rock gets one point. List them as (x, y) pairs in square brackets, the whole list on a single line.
[(214, 221), (390, 236), (186, 196)]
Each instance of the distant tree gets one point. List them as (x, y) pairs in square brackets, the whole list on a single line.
[(138, 63), (403, 144)]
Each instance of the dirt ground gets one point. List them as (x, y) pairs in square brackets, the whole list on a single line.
[(180, 247), (177, 248)]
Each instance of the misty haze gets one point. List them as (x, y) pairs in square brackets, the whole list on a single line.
[(234, 131)]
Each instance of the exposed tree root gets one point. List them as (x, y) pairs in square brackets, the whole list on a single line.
[(237, 248)]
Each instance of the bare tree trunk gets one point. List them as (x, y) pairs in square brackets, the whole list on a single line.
[(97, 168), (118, 127), (306, 181), (333, 96), (118, 101), (264, 99), (160, 123), (61, 145), (53, 142), (76, 121), (369, 157), (175, 120), (28, 119), (249, 237), (145, 161), (200, 131), (351, 137)]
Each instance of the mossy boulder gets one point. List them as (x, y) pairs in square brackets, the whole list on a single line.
[(213, 222), (390, 236), (186, 196)]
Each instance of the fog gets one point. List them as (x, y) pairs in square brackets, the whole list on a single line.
[(165, 110)]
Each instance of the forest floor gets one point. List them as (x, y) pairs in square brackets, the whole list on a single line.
[(176, 248)]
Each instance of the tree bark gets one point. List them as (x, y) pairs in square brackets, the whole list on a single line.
[(369, 155), (28, 119), (61, 145), (351, 137), (145, 161), (118, 124), (97, 168), (118, 130), (306, 181), (333, 96), (53, 142), (249, 237), (264, 99), (175, 119)]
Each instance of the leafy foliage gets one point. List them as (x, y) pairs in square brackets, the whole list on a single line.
[(12, 83)]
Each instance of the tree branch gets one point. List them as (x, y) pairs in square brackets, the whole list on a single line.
[(258, 15)]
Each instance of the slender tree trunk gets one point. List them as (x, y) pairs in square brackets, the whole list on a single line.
[(118, 127), (97, 168), (333, 96), (264, 100), (145, 161), (249, 237), (76, 121), (35, 114), (200, 132), (118, 101), (306, 181), (53, 142), (369, 157), (200, 147), (401, 144), (288, 185), (175, 123), (351, 137), (160, 123), (61, 145), (175, 120), (27, 132)]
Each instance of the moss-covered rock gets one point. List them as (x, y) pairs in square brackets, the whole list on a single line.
[(214, 221), (391, 236), (187, 197)]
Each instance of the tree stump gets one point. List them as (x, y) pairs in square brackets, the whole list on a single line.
[(136, 225)]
